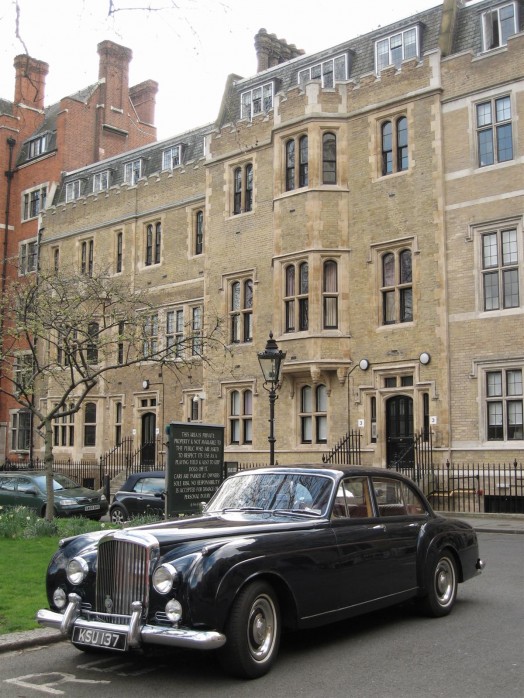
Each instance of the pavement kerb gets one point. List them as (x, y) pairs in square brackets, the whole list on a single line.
[(482, 523)]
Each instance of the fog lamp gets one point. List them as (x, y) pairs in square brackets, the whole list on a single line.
[(59, 597), (173, 610)]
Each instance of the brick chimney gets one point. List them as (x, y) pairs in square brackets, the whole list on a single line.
[(114, 71), (272, 51), (30, 81), (142, 98)]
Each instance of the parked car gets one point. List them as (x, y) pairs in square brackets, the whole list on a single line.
[(28, 489), (276, 548), (142, 493)]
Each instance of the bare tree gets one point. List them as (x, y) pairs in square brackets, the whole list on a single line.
[(64, 331)]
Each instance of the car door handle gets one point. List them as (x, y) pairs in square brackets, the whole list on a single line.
[(415, 524), (379, 527)]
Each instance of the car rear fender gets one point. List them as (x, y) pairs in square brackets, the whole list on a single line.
[(430, 551)]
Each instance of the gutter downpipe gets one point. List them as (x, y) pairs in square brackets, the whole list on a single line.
[(9, 176)]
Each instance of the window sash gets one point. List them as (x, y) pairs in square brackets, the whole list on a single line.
[(21, 431), (119, 251), (505, 412), (500, 280), (199, 232), (394, 49), (132, 171), (329, 159), (101, 181), (329, 72), (256, 101), (171, 158)]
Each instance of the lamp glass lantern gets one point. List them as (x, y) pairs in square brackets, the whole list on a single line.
[(270, 361)]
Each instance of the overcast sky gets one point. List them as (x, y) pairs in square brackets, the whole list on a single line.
[(188, 46)]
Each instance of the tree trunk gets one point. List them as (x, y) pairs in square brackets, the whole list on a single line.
[(48, 462)]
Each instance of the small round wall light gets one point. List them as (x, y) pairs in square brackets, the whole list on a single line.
[(145, 384), (424, 358), (364, 364)]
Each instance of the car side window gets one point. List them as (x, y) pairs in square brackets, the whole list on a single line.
[(7, 483), (395, 498), (149, 485), (24, 484), (353, 499)]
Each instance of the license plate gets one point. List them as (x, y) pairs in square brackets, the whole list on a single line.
[(92, 507), (100, 638)]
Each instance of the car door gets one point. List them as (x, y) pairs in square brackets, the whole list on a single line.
[(7, 491), (28, 494), (362, 541), (402, 513)]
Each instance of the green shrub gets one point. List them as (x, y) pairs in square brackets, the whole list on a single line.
[(21, 522)]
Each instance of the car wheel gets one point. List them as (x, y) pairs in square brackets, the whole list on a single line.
[(118, 515), (252, 632), (442, 587)]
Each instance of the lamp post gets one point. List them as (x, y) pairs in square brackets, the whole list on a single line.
[(271, 360)]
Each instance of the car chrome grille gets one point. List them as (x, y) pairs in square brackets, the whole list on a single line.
[(124, 560)]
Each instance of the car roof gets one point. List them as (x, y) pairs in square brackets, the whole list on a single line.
[(133, 477), (30, 473), (342, 470)]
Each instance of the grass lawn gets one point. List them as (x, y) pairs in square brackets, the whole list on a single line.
[(22, 581)]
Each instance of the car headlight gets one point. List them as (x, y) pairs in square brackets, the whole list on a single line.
[(67, 502), (103, 498), (77, 570), (164, 578)]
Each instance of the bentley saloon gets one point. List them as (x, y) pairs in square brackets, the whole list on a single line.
[(275, 549)]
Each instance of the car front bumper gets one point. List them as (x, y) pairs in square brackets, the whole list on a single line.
[(136, 632)]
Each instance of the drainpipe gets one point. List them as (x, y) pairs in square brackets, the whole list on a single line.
[(9, 176)]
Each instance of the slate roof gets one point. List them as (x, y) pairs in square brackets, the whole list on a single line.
[(361, 54), (467, 37), (192, 143), (6, 107)]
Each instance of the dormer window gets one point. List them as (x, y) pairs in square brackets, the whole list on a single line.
[(171, 157), (73, 190), (101, 181), (37, 146), (328, 72), (256, 101), (498, 24), (396, 48), (132, 171)]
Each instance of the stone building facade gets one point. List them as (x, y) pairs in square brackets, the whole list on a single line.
[(365, 205), (37, 144)]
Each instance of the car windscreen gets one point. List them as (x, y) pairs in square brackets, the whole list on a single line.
[(282, 492), (60, 482)]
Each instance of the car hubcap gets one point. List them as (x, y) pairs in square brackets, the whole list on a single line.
[(444, 581), (261, 630)]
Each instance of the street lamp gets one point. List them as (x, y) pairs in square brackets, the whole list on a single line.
[(271, 360)]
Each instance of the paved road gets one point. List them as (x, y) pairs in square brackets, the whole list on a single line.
[(476, 652)]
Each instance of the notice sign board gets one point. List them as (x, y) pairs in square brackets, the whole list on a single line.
[(195, 465)]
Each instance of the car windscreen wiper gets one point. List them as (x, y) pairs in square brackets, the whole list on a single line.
[(297, 512), (226, 509)]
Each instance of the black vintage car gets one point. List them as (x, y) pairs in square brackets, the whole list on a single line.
[(277, 548)]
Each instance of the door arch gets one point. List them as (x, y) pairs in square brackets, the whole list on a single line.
[(148, 438), (400, 448)]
